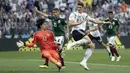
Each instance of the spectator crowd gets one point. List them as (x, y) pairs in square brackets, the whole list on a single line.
[(17, 18)]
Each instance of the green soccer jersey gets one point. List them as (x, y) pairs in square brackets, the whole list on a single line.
[(111, 29), (58, 25)]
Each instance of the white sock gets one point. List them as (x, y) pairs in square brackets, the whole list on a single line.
[(108, 49), (82, 41), (88, 54)]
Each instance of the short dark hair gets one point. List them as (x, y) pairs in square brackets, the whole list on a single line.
[(56, 9), (39, 22), (81, 4), (110, 11)]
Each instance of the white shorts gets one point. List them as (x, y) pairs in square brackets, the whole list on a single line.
[(111, 40), (59, 40)]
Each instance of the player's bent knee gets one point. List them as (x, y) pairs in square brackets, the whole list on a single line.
[(92, 45)]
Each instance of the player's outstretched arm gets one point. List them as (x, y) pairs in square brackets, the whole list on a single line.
[(90, 30), (22, 44), (97, 21), (73, 23), (39, 12)]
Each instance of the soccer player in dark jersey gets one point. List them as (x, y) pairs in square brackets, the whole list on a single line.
[(58, 28), (111, 33)]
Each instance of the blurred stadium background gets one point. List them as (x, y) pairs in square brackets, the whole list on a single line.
[(17, 22)]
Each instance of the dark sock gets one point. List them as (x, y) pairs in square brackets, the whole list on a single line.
[(112, 51), (46, 62), (62, 60), (115, 51)]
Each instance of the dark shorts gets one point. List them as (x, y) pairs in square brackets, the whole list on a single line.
[(98, 39), (77, 35)]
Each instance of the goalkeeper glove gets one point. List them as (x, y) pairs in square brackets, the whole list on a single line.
[(20, 43)]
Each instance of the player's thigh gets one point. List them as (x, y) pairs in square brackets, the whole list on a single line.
[(90, 36), (87, 38), (46, 54), (111, 40), (54, 54), (77, 35)]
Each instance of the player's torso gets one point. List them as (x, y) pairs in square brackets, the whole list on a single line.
[(79, 18), (111, 29), (58, 26), (45, 39), (95, 33)]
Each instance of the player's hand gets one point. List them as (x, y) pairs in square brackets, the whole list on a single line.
[(35, 9), (118, 34), (20, 43)]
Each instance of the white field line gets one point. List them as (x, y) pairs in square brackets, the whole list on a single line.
[(96, 64)]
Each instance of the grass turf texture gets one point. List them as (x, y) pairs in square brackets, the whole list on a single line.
[(28, 62)]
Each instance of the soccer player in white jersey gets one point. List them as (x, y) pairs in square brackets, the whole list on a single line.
[(94, 34), (77, 20)]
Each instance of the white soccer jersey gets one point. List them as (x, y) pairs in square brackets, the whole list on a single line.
[(79, 17), (95, 33)]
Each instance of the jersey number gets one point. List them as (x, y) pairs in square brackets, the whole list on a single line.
[(55, 25), (110, 26)]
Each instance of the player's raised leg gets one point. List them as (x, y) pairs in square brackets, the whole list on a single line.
[(48, 55)]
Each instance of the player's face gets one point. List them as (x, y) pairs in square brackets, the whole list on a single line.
[(80, 8), (110, 15), (44, 26), (55, 13)]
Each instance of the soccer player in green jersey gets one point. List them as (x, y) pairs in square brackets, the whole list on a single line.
[(111, 33), (58, 28)]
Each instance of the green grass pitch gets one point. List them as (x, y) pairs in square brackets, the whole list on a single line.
[(28, 62)]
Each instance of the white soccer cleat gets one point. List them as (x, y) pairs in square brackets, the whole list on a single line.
[(112, 58), (118, 58), (70, 45), (84, 65)]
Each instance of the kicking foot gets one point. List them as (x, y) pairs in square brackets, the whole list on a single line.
[(118, 58), (70, 45), (84, 65)]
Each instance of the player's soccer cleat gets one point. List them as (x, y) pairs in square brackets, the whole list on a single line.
[(59, 68), (112, 58), (63, 67), (118, 58), (84, 65), (43, 66), (70, 45)]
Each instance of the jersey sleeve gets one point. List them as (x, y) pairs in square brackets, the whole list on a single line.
[(33, 41), (89, 18), (72, 16), (95, 24), (64, 22), (49, 17)]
